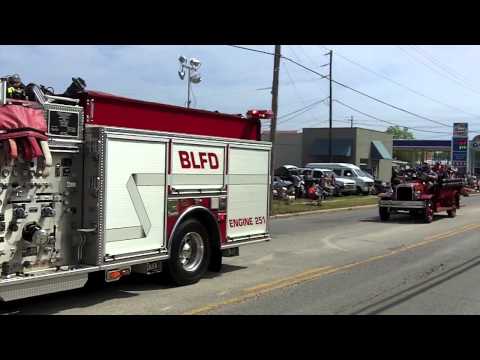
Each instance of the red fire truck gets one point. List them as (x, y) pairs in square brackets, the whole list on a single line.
[(421, 197), (102, 184)]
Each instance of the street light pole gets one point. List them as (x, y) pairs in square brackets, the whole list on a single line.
[(189, 81), (193, 76)]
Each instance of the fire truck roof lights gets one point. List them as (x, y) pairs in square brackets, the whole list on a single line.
[(259, 114)]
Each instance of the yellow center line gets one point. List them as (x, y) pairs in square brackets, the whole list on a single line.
[(311, 272), (315, 273)]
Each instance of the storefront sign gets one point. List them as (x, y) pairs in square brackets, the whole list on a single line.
[(460, 147)]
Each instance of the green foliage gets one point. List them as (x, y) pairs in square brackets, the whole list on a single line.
[(301, 205), (400, 133)]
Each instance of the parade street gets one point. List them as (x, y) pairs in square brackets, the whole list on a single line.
[(344, 262)]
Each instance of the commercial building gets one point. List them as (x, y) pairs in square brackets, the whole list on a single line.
[(369, 149), (418, 151)]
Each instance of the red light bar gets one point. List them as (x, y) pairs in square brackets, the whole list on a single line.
[(259, 114)]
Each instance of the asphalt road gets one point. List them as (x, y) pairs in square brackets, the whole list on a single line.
[(332, 263)]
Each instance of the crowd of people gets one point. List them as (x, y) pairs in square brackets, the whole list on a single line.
[(296, 185), (433, 174), (324, 187)]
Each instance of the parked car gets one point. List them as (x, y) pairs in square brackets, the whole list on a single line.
[(343, 186), (364, 182)]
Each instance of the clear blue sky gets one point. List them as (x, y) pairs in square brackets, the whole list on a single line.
[(449, 75)]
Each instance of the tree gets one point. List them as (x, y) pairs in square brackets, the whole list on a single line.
[(399, 133)]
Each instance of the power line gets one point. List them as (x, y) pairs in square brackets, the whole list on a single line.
[(352, 89), (294, 116), (298, 112), (437, 71), (443, 67), (255, 50), (391, 105), (308, 56), (400, 84), (355, 90), (283, 57), (438, 63), (385, 121), (302, 108), (293, 83)]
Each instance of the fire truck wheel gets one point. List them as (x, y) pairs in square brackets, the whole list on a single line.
[(190, 253), (384, 214), (428, 212), (452, 213)]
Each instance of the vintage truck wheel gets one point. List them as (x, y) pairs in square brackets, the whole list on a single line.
[(452, 213), (384, 213), (428, 212), (190, 253)]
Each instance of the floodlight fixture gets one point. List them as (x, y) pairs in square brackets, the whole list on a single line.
[(195, 63)]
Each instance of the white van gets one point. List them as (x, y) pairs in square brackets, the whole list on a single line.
[(345, 186), (363, 181)]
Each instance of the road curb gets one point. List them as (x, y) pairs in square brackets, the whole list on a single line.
[(313, 212)]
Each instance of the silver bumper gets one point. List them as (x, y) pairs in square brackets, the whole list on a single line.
[(366, 187), (402, 204)]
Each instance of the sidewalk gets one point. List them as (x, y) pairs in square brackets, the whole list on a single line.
[(353, 207)]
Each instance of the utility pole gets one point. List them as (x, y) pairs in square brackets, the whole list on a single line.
[(330, 155), (273, 123), (351, 121)]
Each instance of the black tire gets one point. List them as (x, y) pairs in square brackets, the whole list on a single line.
[(175, 270), (384, 213), (452, 213)]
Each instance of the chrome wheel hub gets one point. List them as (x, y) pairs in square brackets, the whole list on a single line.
[(191, 251)]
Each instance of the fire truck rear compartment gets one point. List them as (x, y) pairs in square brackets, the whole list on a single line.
[(98, 203), (123, 201)]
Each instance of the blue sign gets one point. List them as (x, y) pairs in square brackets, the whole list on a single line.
[(460, 147), (459, 156)]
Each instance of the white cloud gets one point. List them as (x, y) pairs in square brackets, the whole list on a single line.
[(231, 77)]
